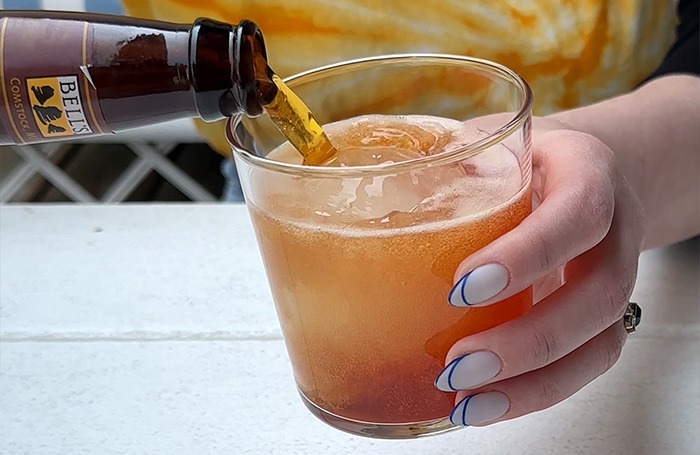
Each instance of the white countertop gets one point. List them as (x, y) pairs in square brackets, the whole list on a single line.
[(149, 329)]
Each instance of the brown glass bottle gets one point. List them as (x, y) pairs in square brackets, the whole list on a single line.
[(65, 75)]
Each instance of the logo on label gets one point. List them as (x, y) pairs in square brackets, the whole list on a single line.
[(57, 107)]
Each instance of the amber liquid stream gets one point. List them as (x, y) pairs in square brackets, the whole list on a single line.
[(296, 122)]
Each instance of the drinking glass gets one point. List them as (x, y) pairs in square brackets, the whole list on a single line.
[(361, 259)]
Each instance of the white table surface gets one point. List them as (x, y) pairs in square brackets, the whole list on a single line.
[(150, 330)]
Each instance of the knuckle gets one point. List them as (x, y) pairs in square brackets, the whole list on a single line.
[(595, 191), (545, 256), (544, 347), (596, 207), (547, 392), (596, 151), (610, 353)]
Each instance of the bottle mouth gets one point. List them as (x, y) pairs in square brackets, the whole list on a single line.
[(248, 50)]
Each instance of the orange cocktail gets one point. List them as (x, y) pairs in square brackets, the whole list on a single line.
[(361, 253)]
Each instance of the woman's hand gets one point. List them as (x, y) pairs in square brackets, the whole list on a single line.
[(590, 221)]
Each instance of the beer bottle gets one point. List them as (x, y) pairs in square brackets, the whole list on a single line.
[(69, 75)]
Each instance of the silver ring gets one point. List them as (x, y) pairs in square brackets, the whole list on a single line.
[(632, 317)]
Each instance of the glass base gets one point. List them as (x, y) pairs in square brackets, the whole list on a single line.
[(381, 430)]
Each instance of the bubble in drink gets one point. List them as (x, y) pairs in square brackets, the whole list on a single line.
[(361, 266)]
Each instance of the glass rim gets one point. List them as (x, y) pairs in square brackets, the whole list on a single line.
[(457, 154)]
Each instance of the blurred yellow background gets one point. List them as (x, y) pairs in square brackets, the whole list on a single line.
[(571, 52)]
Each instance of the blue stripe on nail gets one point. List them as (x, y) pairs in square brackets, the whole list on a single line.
[(452, 292), (447, 371), (463, 403), (464, 411), (452, 413), (453, 366), (460, 285)]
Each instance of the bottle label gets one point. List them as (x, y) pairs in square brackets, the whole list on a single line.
[(46, 89)]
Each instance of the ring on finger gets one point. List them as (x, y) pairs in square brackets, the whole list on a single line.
[(632, 317)]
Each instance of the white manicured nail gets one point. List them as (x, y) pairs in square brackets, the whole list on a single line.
[(479, 409), (479, 285), (468, 371)]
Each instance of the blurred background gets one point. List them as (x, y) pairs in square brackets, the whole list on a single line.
[(571, 54)]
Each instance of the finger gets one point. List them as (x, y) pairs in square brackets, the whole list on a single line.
[(542, 388), (595, 296), (577, 173)]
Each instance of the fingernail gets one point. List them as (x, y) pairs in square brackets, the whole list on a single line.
[(480, 408), (468, 371), (479, 285)]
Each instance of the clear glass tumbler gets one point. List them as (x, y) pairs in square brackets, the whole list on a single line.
[(361, 258)]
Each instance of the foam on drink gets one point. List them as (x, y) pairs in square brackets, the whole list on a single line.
[(397, 200)]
